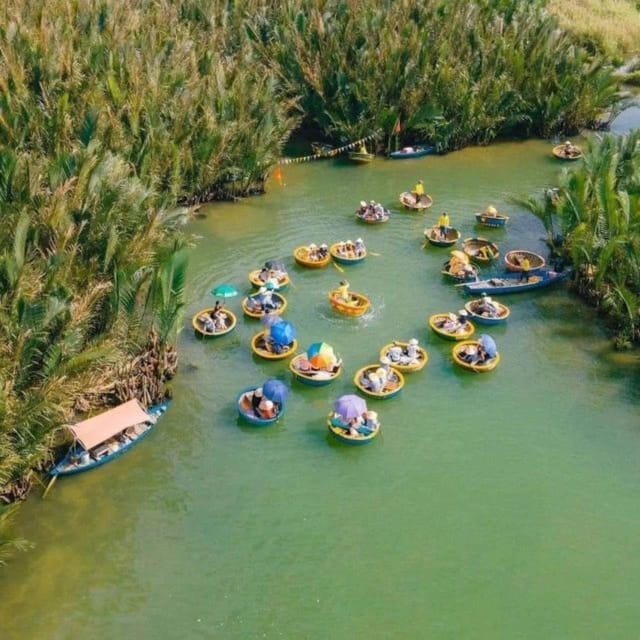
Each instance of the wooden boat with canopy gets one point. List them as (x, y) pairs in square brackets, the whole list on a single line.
[(278, 299), (364, 380), (408, 201), (403, 363), (341, 431), (433, 235), (304, 257), (199, 325), (513, 260), (356, 306), (107, 436), (439, 323), (481, 250)]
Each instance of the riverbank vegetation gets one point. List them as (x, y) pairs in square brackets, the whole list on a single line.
[(112, 112), (609, 26), (593, 217)]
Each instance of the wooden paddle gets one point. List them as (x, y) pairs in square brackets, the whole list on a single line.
[(338, 267)]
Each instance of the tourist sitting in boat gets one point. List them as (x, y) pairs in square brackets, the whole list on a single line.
[(486, 307), (256, 399), (491, 211), (266, 409), (221, 321), (474, 354), (313, 252), (444, 224), (363, 208), (411, 353), (323, 251), (360, 248), (208, 323), (265, 274), (569, 149), (370, 420), (343, 292), (418, 190), (372, 381)]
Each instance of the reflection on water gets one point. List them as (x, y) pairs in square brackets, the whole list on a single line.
[(492, 506)]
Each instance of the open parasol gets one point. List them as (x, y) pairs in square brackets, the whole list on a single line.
[(350, 406), (488, 344), (282, 333), (275, 390)]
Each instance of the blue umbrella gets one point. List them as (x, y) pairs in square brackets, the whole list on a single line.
[(275, 390), (282, 333), (224, 291), (350, 406), (489, 345), (269, 319), (276, 265)]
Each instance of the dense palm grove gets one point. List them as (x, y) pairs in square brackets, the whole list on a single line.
[(112, 112), (593, 218)]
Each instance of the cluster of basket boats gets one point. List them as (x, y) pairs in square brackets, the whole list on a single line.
[(319, 365)]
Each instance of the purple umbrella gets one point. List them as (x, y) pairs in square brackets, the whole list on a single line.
[(489, 345), (269, 319), (275, 390), (350, 406), (282, 333)]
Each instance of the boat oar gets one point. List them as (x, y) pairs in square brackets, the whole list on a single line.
[(49, 486), (338, 267), (377, 255)]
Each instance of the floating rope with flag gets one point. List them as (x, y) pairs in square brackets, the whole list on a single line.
[(331, 153)]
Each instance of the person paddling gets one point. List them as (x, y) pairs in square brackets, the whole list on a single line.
[(418, 190)]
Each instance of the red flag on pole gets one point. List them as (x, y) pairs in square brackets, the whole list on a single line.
[(398, 127), (277, 174)]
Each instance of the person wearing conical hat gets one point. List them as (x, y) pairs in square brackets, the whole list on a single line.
[(444, 224), (418, 190)]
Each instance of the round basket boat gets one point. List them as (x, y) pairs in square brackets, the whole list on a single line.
[(463, 333), (423, 357), (469, 276), (301, 256), (243, 402), (359, 304), (341, 432), (368, 219), (513, 260), (199, 327), (280, 309), (481, 250), (311, 377), (560, 153), (490, 219), (502, 312), (254, 279), (391, 389), (333, 250), (259, 347), (408, 201), (433, 235), (489, 365)]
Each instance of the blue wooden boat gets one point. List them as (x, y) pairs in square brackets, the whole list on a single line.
[(491, 219), (243, 402), (341, 431), (412, 152), (511, 283), (105, 437)]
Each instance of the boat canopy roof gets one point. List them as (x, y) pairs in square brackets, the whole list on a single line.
[(93, 431)]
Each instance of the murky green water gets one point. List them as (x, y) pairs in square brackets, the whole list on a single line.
[(495, 506)]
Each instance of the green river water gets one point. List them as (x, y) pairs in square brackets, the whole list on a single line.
[(491, 506)]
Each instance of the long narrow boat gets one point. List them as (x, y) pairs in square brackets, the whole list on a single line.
[(470, 274), (107, 436), (371, 219), (459, 348), (462, 332), (408, 201), (198, 325), (243, 402), (433, 235), (408, 367), (475, 309), (259, 347), (311, 377), (481, 250), (560, 152), (412, 152), (491, 218), (513, 260), (254, 279), (509, 283), (342, 259), (341, 431), (302, 255), (361, 157), (358, 304), (278, 299), (391, 389)]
